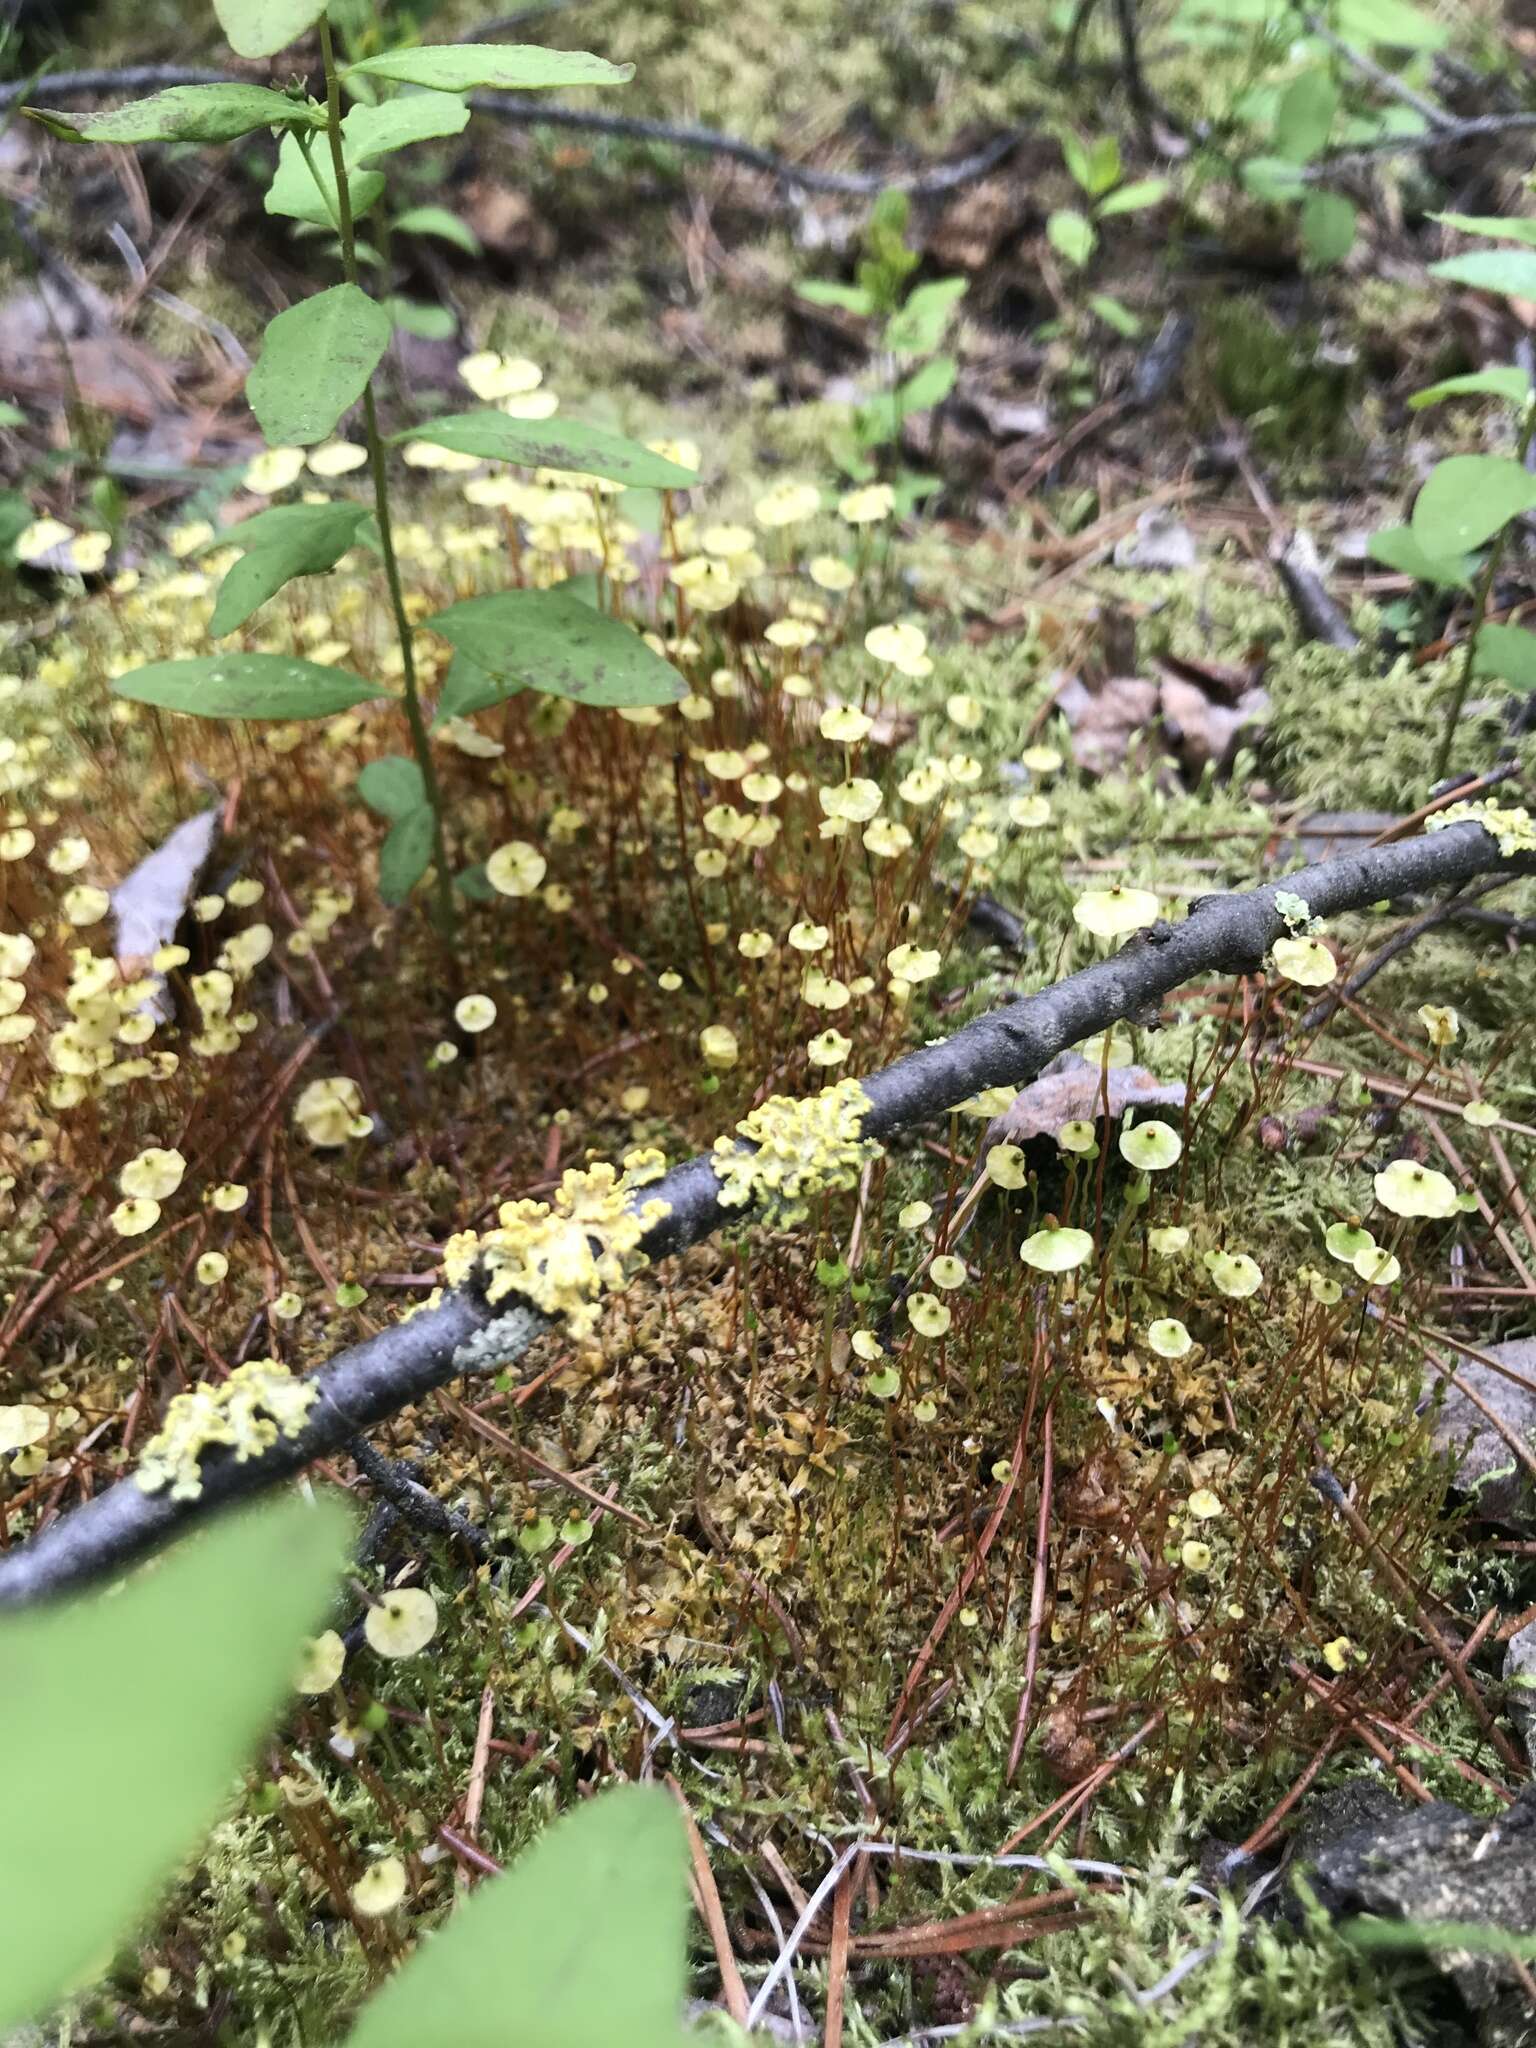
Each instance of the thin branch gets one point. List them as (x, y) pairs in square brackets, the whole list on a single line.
[(1225, 934), (533, 111), (1385, 81), (1429, 144)]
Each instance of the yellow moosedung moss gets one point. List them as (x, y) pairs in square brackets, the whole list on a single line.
[(564, 1257), (805, 1145), (260, 1401)]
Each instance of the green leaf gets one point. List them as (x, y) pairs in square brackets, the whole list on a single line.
[(1327, 228), (126, 1716), (368, 132), (1390, 23), (283, 542), (406, 854), (438, 222), (11, 415), (1076, 156), (504, 67), (551, 641), (552, 444), (1132, 198), (432, 323), (392, 786), (467, 688), (259, 28), (1494, 224), (185, 113), (299, 192), (850, 298), (515, 1964), (1272, 178), (1306, 115), (1508, 652), (929, 386), (1467, 499), (918, 328), (1505, 380), (246, 686), (1396, 548), (1103, 166), (314, 363), (1072, 235), (1114, 315), (1511, 271)]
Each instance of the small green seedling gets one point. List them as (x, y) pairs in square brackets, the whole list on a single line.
[(319, 360), (1474, 502), (1073, 232), (915, 374)]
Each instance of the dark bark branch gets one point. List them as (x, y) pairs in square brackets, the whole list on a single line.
[(1009, 1046), (532, 110)]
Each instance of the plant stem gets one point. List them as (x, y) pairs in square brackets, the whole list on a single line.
[(421, 744), (1480, 604)]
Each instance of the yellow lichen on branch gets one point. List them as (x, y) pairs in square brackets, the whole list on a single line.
[(259, 1402), (565, 1256), (803, 1146)]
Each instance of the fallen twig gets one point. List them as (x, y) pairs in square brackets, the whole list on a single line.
[(534, 111), (1007, 1047)]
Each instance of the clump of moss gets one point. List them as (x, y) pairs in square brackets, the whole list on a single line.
[(1292, 396), (1347, 732)]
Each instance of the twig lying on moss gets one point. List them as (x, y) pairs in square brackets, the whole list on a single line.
[(532, 110), (1428, 144), (1007, 1047)]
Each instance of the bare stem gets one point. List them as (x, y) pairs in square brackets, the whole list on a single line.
[(421, 744)]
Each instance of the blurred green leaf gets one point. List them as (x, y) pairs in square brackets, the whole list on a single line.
[(185, 113), (517, 1964), (125, 1717), (246, 686)]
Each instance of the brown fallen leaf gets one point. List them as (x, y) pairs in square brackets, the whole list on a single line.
[(1107, 720), (1072, 1090)]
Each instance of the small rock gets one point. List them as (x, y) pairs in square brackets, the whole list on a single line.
[(1161, 541), (1520, 1677), (1438, 1863), (1483, 1465)]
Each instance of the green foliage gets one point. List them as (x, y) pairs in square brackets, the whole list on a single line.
[(283, 542), (315, 364), (1467, 498), (553, 444), (518, 1964), (260, 28), (246, 686), (443, 226), (1506, 381), (392, 786), (475, 67), (127, 1716), (549, 640), (304, 188), (913, 327), (186, 113), (1510, 271), (1096, 169), (370, 132)]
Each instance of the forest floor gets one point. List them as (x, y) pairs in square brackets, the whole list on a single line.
[(834, 1525)]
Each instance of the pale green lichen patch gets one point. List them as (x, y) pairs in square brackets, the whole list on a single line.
[(1512, 825), (247, 1413), (802, 1146), (565, 1256)]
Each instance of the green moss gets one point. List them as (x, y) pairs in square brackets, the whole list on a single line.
[(1292, 397)]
